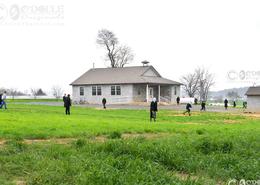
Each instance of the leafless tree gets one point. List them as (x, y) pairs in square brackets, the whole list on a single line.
[(233, 95), (206, 81), (34, 92), (13, 92), (116, 54), (37, 92), (198, 83), (57, 91), (190, 84), (123, 56)]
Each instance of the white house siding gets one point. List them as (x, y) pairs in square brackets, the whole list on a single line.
[(139, 93), (253, 103), (125, 97), (178, 93)]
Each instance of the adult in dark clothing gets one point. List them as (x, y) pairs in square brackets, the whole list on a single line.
[(64, 99), (226, 104), (104, 101), (244, 105), (67, 105), (196, 101), (153, 110), (1, 100), (203, 106), (188, 107), (178, 100), (234, 104)]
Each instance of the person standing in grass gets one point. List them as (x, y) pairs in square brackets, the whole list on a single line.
[(153, 110), (3, 99), (203, 106), (104, 101), (188, 107), (226, 104), (178, 100), (64, 99), (234, 104), (67, 105)]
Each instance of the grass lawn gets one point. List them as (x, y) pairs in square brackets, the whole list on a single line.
[(41, 145)]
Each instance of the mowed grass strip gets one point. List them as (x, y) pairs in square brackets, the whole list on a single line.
[(206, 148), (34, 121)]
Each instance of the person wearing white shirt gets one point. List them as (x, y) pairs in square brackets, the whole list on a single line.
[(3, 101)]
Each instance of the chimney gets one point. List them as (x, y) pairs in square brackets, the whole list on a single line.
[(145, 63)]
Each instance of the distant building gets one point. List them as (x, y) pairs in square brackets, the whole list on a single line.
[(124, 85), (253, 99)]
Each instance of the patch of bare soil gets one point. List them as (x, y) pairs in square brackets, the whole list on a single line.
[(191, 123), (56, 140), (185, 176), (20, 182), (253, 115), (228, 121), (145, 135), (101, 138), (2, 142)]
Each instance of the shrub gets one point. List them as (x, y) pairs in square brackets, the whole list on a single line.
[(199, 132), (115, 135), (226, 147), (80, 143)]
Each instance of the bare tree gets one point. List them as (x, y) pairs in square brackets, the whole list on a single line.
[(116, 54), (198, 83), (13, 92), (34, 92), (37, 92), (206, 81), (190, 84), (57, 91), (123, 56), (233, 95)]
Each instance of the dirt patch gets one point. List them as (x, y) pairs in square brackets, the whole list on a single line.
[(56, 140), (20, 182), (228, 121), (2, 142), (206, 180), (190, 123), (145, 135), (101, 138), (253, 115)]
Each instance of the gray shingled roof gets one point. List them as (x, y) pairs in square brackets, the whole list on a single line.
[(253, 91), (126, 75)]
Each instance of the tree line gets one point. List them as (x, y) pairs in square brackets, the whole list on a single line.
[(56, 91)]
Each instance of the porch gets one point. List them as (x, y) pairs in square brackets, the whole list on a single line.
[(146, 92)]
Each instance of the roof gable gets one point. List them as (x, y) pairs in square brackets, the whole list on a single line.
[(253, 91), (151, 72), (126, 75)]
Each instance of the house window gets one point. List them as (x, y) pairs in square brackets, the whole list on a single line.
[(81, 91), (175, 90), (99, 93), (118, 90), (115, 90), (96, 91)]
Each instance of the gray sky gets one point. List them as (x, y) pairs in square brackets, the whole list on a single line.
[(52, 42)]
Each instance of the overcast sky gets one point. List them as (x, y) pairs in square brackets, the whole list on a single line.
[(52, 42)]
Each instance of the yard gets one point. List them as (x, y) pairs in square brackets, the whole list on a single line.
[(41, 145)]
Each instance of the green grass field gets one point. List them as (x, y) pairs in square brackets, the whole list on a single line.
[(123, 147)]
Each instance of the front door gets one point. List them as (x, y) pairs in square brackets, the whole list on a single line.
[(150, 93)]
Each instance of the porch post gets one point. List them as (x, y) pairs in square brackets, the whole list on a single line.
[(147, 93), (159, 93)]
